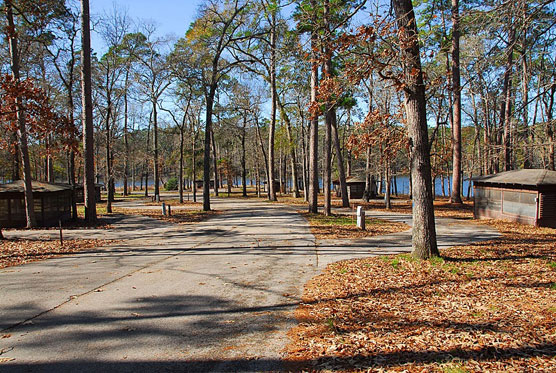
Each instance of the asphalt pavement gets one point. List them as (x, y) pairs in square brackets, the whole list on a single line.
[(218, 295)]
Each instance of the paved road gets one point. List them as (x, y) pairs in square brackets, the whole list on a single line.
[(214, 296)]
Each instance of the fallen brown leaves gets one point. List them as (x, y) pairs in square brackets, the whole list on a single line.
[(343, 226), (19, 251), (488, 306), (178, 216)]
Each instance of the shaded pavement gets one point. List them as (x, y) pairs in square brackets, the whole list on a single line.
[(213, 296)]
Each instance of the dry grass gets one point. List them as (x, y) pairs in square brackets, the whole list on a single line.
[(19, 251), (343, 226), (489, 306)]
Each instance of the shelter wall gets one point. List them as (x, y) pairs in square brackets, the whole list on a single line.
[(49, 208), (518, 205)]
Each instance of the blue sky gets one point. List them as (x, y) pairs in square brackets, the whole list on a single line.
[(170, 16)]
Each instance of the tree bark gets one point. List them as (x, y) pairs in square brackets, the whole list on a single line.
[(505, 117), (88, 129), (206, 156), (180, 177), (108, 163), (328, 118), (22, 125), (243, 166), (314, 126), (126, 141), (215, 163), (155, 145), (456, 107), (291, 145), (273, 94), (340, 160), (424, 232)]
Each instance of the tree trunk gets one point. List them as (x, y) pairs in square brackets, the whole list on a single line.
[(193, 161), (505, 117), (146, 164), (456, 107), (291, 145), (388, 179), (215, 164), (262, 149), (314, 126), (16, 164), (108, 163), (243, 166), (273, 94), (180, 177), (340, 161), (22, 126), (155, 145), (126, 142), (328, 119), (87, 104), (424, 232), (206, 157), (368, 191)]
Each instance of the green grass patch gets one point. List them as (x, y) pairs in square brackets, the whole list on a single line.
[(436, 261)]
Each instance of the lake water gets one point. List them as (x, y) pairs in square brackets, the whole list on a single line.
[(402, 184)]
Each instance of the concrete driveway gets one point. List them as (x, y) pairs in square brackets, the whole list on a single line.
[(213, 296)]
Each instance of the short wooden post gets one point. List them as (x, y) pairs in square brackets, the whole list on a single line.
[(169, 210), (61, 236), (163, 209), (360, 218)]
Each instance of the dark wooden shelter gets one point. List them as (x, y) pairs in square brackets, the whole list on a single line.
[(526, 196), (52, 203), (80, 194), (355, 185), (199, 184)]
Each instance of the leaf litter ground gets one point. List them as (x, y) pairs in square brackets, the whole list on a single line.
[(488, 306)]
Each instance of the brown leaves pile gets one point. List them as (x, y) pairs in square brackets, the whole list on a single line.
[(489, 306), (16, 252)]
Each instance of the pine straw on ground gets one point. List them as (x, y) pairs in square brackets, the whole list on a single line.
[(488, 306), (19, 251), (343, 226), (177, 217)]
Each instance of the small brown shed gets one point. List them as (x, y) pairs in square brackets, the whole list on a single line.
[(52, 203), (80, 193), (355, 185), (199, 184), (526, 196)]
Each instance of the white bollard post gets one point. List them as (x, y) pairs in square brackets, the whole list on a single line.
[(360, 218), (163, 209)]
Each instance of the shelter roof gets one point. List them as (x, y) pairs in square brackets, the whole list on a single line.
[(38, 187), (530, 177)]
